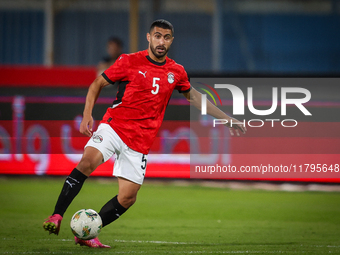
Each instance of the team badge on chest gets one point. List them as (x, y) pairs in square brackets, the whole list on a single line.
[(171, 78)]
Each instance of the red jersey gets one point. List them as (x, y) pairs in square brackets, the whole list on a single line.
[(144, 90)]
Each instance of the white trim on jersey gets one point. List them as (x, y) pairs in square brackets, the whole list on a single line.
[(115, 105)]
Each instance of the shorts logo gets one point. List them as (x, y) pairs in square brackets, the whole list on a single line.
[(97, 138), (171, 78)]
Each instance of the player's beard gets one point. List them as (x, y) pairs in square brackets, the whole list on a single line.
[(159, 55)]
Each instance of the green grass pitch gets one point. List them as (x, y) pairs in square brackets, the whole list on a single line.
[(170, 219)]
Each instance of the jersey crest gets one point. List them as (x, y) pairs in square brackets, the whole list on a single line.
[(171, 78)]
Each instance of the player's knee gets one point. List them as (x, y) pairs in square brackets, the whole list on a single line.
[(86, 166), (127, 200)]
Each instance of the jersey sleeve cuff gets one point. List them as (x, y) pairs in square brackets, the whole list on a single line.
[(107, 78), (185, 91)]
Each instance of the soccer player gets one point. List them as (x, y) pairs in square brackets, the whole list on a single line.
[(146, 80)]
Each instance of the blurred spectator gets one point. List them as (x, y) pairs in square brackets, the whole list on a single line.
[(114, 50)]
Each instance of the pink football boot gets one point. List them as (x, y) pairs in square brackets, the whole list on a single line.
[(52, 224), (92, 243)]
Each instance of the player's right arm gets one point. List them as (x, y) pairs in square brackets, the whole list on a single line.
[(91, 98), (194, 97)]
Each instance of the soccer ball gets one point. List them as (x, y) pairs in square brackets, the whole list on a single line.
[(86, 224)]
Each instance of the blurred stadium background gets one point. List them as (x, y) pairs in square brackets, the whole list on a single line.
[(49, 50), (258, 36)]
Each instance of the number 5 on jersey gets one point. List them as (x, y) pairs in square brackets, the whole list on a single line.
[(144, 161), (155, 85)]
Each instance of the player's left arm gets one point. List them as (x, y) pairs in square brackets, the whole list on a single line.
[(194, 97)]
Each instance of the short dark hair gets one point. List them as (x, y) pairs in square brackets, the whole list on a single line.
[(116, 40), (162, 23)]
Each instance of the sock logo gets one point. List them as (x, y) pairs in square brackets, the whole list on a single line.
[(117, 214), (71, 184)]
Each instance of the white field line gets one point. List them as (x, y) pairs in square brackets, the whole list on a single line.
[(165, 252), (164, 242), (159, 242), (167, 242)]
